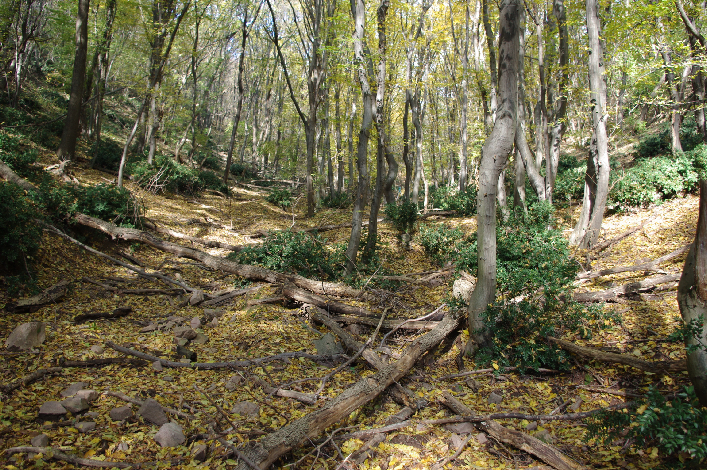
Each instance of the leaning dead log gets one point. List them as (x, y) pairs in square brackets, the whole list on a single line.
[(657, 367), (630, 288), (535, 447), (34, 303), (648, 266), (271, 447), (255, 273)]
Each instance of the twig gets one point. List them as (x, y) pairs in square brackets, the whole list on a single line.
[(54, 453), (459, 451)]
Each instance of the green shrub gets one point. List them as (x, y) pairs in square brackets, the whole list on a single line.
[(403, 216), (288, 251), (209, 161), (337, 200), (243, 170), (20, 236), (280, 197), (166, 175), (210, 180), (569, 184), (440, 242), (677, 427), (451, 199), (106, 154), (19, 160)]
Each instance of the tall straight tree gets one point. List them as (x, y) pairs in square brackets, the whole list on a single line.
[(596, 180), (70, 135), (494, 156)]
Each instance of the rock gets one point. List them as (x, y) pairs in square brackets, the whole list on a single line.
[(41, 440), (481, 438), (196, 298), (233, 382), (26, 336), (473, 384), (185, 332), (181, 341), (212, 313), (327, 345), (51, 409), (213, 322), (88, 395), (495, 398), (186, 353), (544, 435), (195, 323), (170, 435), (576, 405), (123, 447), (247, 409), (462, 289), (92, 414), (75, 404), (168, 378), (175, 318), (121, 413), (86, 426), (460, 428), (148, 328), (96, 349), (152, 412), (200, 452), (73, 389), (531, 426), (201, 338), (456, 441), (157, 365), (355, 329)]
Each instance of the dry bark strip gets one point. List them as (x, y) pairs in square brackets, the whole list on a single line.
[(658, 367), (244, 270), (54, 453), (535, 447), (34, 303), (630, 288), (184, 236), (216, 365), (271, 447), (648, 266)]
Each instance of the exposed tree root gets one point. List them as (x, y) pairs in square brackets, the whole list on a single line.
[(630, 288), (663, 367)]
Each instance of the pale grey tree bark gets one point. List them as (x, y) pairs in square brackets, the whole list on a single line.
[(494, 156)]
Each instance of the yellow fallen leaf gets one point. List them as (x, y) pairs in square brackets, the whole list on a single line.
[(89, 454)]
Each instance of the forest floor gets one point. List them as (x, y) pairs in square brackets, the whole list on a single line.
[(247, 329)]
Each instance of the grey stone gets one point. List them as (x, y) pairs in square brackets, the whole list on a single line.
[(157, 365), (462, 289), (460, 428), (169, 325), (181, 341), (195, 323), (247, 409), (92, 414), (121, 413), (152, 412), (86, 426), (170, 435), (213, 322), (148, 328), (40, 440), (233, 382), (473, 384), (212, 313), (26, 336), (355, 329), (456, 441), (73, 389), (168, 378), (481, 438), (97, 349), (576, 405), (175, 318), (185, 353), (327, 345), (185, 332), (75, 404), (200, 452), (496, 398), (88, 395), (52, 409), (201, 338), (197, 297), (531, 426), (544, 435)]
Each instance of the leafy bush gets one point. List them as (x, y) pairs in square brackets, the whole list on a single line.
[(243, 170), (402, 215), (209, 161), (288, 251), (168, 175), (19, 160), (677, 427), (451, 199), (106, 154), (280, 197), (337, 200), (210, 180), (569, 184), (653, 144), (440, 242), (20, 236)]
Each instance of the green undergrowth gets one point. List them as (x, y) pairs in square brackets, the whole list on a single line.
[(167, 175)]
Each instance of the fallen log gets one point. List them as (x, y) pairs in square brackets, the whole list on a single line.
[(216, 365), (34, 303), (535, 447), (647, 266), (630, 288), (28, 379), (230, 295), (12, 177), (119, 312), (271, 447), (54, 453), (657, 367), (389, 324), (292, 292), (183, 236), (256, 273), (606, 244)]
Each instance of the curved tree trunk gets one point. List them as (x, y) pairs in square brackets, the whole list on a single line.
[(692, 299), (494, 156)]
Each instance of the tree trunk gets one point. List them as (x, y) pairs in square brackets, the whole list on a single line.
[(493, 104), (596, 181), (692, 299), (493, 159), (406, 146), (70, 135)]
